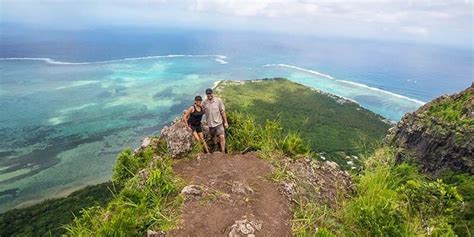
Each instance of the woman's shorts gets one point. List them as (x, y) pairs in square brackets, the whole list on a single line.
[(196, 128)]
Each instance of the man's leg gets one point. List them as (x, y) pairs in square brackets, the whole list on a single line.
[(221, 132), (212, 132), (222, 142)]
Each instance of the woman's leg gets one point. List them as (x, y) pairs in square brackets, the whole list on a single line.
[(196, 136), (201, 136)]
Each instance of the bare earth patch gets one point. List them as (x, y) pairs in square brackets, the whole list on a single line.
[(231, 196)]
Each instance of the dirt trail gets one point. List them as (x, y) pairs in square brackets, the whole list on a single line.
[(232, 188)]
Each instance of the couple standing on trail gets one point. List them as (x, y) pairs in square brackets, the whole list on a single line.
[(214, 110)]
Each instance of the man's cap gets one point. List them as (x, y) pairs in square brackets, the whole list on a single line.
[(198, 98), (209, 91)]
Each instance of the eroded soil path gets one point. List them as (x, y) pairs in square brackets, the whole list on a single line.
[(232, 196)]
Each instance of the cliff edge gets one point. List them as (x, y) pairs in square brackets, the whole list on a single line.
[(439, 135)]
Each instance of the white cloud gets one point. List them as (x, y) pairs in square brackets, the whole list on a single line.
[(448, 20)]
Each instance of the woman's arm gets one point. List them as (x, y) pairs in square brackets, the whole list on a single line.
[(186, 115)]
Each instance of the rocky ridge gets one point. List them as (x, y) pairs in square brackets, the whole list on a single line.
[(439, 135)]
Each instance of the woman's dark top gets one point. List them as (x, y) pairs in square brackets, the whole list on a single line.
[(195, 119)]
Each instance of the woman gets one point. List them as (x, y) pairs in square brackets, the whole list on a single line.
[(192, 117)]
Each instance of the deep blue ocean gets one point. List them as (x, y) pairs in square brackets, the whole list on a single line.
[(70, 101)]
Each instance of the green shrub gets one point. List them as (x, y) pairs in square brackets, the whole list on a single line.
[(431, 199), (293, 144), (245, 134), (404, 172), (464, 225), (125, 166), (128, 164), (380, 218)]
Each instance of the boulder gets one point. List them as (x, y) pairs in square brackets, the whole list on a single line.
[(151, 233), (178, 137), (245, 227), (193, 190), (145, 142), (241, 188), (314, 180)]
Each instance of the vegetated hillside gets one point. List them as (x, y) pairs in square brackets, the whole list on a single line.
[(48, 217), (330, 124), (439, 138)]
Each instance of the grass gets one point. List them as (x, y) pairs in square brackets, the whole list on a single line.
[(391, 200), (150, 198), (451, 111), (247, 135), (326, 125)]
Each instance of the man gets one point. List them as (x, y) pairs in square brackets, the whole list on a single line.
[(216, 118)]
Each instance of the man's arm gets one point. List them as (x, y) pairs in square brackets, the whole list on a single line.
[(224, 116)]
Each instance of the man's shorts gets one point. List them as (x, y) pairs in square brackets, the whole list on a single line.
[(218, 130)]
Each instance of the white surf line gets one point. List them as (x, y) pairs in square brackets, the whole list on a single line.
[(221, 61), (384, 91), (219, 58), (299, 68), (345, 81)]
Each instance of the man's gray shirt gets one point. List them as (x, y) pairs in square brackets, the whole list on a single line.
[(213, 109)]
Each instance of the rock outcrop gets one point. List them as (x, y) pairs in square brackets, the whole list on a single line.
[(439, 135), (193, 190), (178, 137), (245, 227), (313, 180)]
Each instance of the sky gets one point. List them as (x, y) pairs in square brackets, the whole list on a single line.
[(447, 22)]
